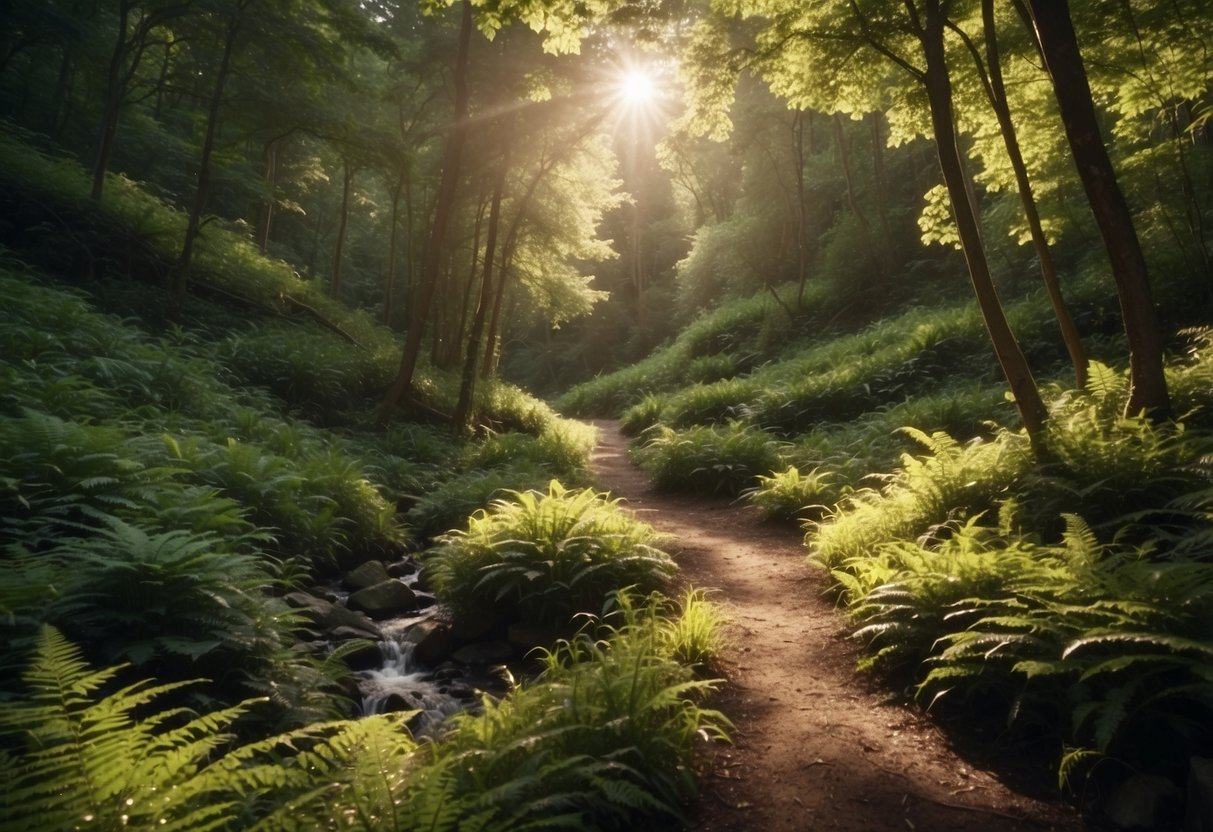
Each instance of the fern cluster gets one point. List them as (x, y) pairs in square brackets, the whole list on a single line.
[(602, 739), (1098, 633), (546, 557), (723, 459)]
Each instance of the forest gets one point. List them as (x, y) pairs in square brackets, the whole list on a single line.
[(306, 307)]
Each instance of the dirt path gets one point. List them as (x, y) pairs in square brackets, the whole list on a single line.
[(815, 745)]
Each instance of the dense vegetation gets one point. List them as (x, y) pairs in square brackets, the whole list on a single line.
[(278, 276)]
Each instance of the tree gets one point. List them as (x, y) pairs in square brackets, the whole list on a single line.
[(990, 73), (1059, 46), (809, 55), (131, 41), (432, 264)]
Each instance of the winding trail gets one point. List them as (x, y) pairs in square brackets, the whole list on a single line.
[(816, 745)]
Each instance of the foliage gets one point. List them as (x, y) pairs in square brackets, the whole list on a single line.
[(82, 758), (643, 415), (546, 557), (603, 736), (791, 494), (716, 459), (924, 497)]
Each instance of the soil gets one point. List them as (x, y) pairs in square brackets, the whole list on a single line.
[(815, 744)]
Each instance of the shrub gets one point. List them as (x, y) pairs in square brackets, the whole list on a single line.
[(718, 459), (105, 761), (927, 494), (643, 415), (546, 557), (790, 494), (708, 403)]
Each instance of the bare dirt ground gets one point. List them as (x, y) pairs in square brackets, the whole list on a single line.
[(815, 744)]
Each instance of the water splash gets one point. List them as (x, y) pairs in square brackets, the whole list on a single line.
[(402, 684)]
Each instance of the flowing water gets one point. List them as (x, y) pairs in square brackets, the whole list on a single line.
[(401, 684)]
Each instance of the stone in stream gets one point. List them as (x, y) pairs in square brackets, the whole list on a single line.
[(431, 642), (368, 574), (473, 625), (402, 569), (333, 622), (528, 636), (383, 600)]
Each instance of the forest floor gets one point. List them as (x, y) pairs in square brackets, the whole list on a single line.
[(816, 745)]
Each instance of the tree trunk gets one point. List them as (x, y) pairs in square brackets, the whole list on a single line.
[(112, 101), (271, 183), (389, 283), (465, 299), (432, 264), (844, 157), (1010, 357), (1055, 35), (185, 261), (996, 94), (467, 387), (802, 211), (343, 218)]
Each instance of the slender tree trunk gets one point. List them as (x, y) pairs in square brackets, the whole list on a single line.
[(389, 283), (62, 111), (465, 303), (996, 94), (431, 267), (1010, 357), (467, 387), (271, 183), (802, 211), (882, 208), (162, 80), (844, 157), (343, 218), (186, 259), (1055, 34), (112, 101)]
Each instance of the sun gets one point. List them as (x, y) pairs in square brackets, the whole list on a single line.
[(637, 88)]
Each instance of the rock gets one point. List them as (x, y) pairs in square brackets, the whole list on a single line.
[(1199, 817), (1145, 803), (484, 652), (334, 623), (528, 636), (366, 656), (447, 672), (383, 600), (432, 642), (459, 691), (473, 625), (425, 600), (402, 569), (368, 574)]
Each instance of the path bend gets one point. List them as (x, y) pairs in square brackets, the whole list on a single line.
[(816, 746)]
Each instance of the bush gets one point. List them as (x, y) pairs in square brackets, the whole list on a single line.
[(790, 494), (641, 416), (717, 460), (546, 557), (927, 494)]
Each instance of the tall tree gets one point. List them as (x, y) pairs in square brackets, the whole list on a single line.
[(804, 53), (1059, 46), (990, 73), (431, 268)]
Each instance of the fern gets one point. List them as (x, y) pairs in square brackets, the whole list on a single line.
[(91, 761)]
